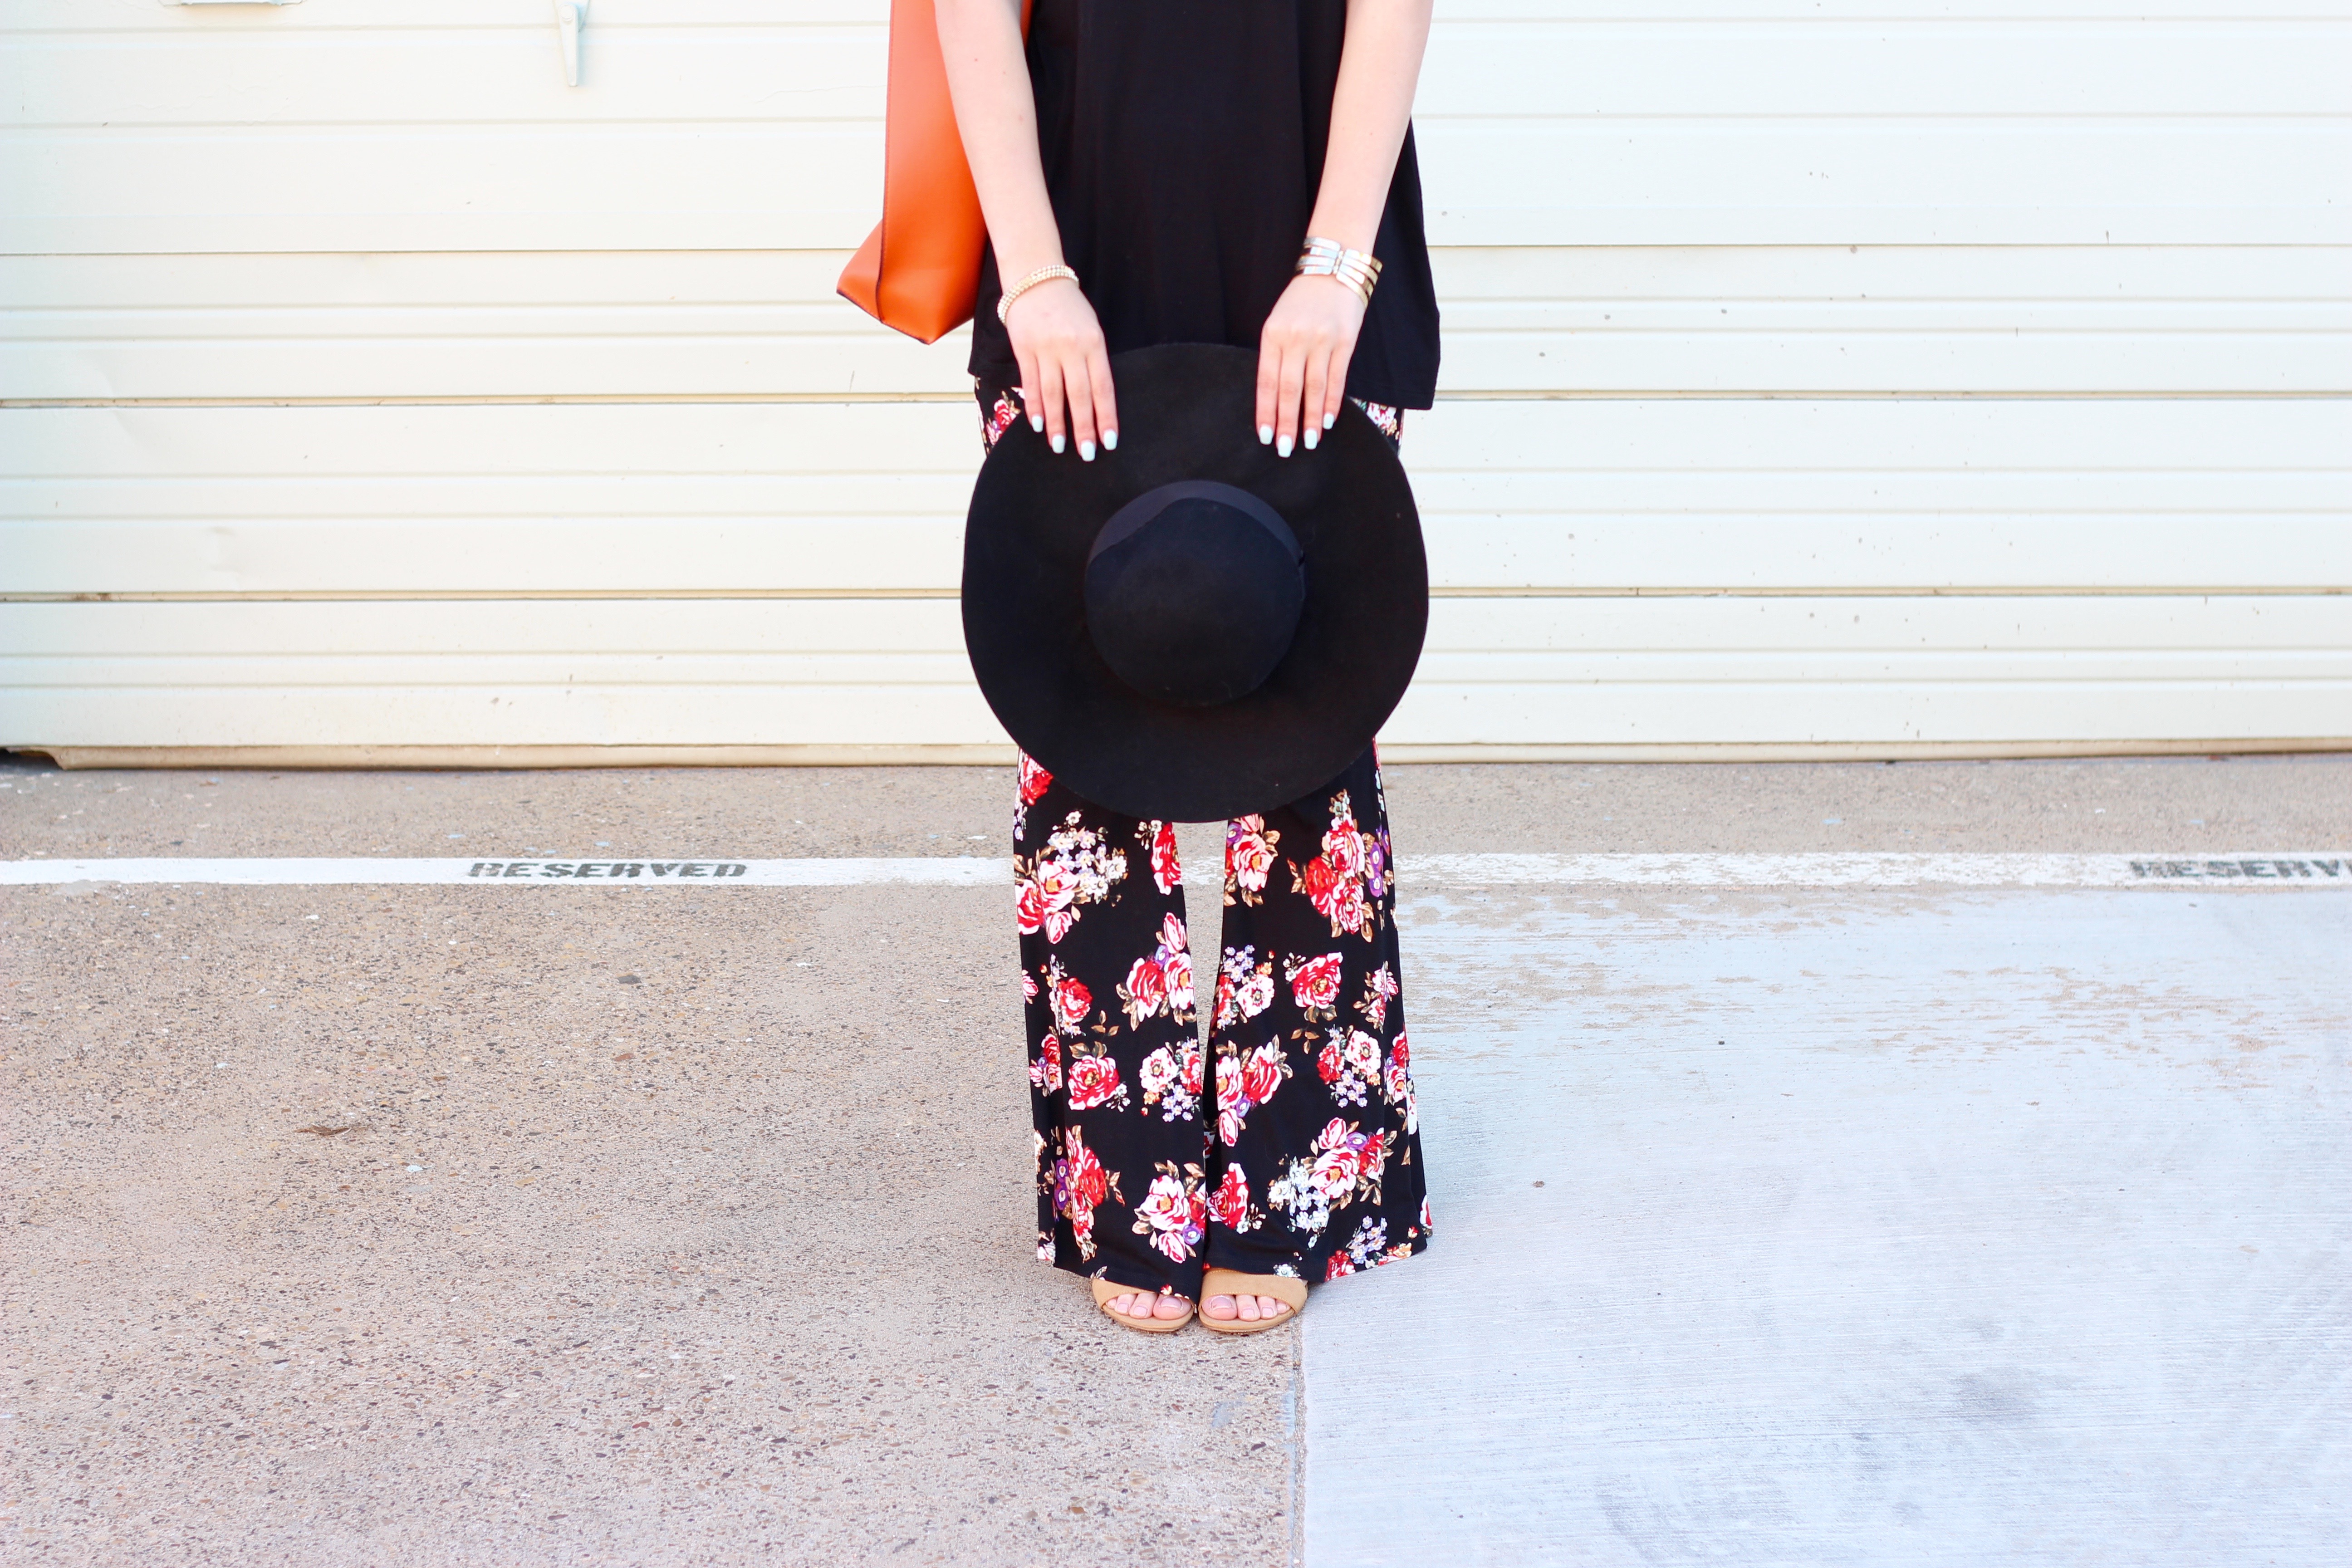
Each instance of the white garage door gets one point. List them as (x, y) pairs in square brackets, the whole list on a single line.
[(1821, 379)]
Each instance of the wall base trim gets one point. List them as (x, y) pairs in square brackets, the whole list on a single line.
[(470, 758)]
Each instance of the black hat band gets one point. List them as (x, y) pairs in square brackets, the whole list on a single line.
[(1194, 592)]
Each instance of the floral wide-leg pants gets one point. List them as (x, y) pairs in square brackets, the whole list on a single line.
[(1294, 1148), (1299, 1151)]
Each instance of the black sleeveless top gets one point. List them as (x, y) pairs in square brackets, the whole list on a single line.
[(1183, 142)]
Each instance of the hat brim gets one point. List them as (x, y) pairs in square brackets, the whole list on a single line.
[(1187, 411)]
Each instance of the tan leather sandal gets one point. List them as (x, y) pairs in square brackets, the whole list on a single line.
[(1290, 1292), (1105, 1290)]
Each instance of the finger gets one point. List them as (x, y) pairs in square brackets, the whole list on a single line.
[(1049, 400), (1318, 369), (1335, 391), (1286, 394), (1106, 400), (1269, 377), (1081, 392), (1033, 403)]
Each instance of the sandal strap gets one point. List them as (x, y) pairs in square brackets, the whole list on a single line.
[(1281, 1287)]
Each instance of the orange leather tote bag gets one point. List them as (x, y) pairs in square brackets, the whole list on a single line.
[(919, 271)]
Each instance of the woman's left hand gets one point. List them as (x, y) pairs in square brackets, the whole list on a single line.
[(1302, 361)]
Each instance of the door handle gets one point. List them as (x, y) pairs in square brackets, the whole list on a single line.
[(570, 20)]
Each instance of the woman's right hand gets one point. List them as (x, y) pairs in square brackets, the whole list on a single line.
[(1065, 367)]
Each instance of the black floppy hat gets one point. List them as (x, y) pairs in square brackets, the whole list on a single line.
[(1190, 627)]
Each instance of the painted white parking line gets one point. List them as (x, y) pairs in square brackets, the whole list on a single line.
[(2300, 869), (1823, 1229)]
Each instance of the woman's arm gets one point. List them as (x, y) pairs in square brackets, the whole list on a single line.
[(1310, 335), (1056, 338)]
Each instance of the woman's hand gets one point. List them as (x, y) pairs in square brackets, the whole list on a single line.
[(1065, 366), (1302, 361)]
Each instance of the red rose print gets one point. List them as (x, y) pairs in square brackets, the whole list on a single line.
[(1230, 1206), (1176, 969), (1344, 849), (1345, 909), (1056, 893), (1035, 780), (1316, 879), (1315, 987), (1028, 905), (1145, 990), (1191, 1065), (1165, 871), (1249, 856), (1262, 1074), (1045, 1072), (1229, 1085), (1327, 1062), (1092, 1081), (1072, 1001)]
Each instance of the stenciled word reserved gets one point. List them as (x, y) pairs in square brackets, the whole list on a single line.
[(607, 869), (2216, 871)]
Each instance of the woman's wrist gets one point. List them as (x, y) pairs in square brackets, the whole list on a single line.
[(1356, 270), (1036, 278)]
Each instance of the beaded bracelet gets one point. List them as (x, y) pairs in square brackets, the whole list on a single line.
[(1359, 269), (1043, 275)]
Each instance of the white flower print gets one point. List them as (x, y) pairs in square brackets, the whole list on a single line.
[(1171, 1079), (1365, 1249), (1173, 1213), (1244, 987), (1075, 868)]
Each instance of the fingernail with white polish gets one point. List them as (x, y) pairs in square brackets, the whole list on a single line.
[(1312, 435), (1264, 434), (1055, 442), (1329, 420), (1037, 423), (1085, 450), (1282, 447), (1110, 440)]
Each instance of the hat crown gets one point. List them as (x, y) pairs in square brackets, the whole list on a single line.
[(1194, 593)]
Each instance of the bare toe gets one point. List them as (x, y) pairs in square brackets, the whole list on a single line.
[(1171, 1307), (1221, 1307), (1272, 1305)]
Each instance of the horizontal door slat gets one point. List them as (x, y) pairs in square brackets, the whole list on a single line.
[(1775, 495), (1497, 673), (1525, 321)]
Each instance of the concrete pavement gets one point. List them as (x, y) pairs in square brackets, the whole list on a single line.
[(458, 1224)]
